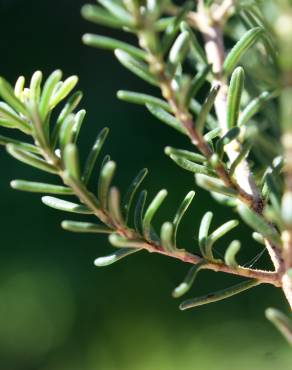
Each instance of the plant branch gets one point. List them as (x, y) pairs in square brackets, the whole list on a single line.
[(103, 215)]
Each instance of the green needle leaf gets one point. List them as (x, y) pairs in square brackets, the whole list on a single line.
[(139, 211), (71, 161), (231, 252), (19, 144), (71, 104), (7, 93), (281, 322), (204, 231), (184, 154), (240, 48), (142, 99), (196, 48), (217, 234), (30, 159), (173, 26), (65, 89), (85, 227), (105, 179), (128, 200), (214, 185), (209, 136), (79, 118), (10, 119), (137, 67), (115, 206), (108, 43), (47, 93), (19, 86), (39, 187), (166, 236), (64, 205), (151, 210), (166, 117), (191, 166), (100, 16), (197, 82), (234, 97), (257, 223), (189, 280), (120, 241), (220, 295), (180, 213), (35, 87), (245, 149), (230, 135), (179, 49), (258, 238), (254, 106), (66, 131), (93, 154), (206, 108), (118, 11), (116, 256)]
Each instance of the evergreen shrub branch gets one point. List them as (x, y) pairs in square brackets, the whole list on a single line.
[(240, 155)]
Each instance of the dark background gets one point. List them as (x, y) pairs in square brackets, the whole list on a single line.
[(59, 312)]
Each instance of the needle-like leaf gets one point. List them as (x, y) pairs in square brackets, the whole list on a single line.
[(116, 256), (93, 154), (85, 227), (151, 210), (240, 48), (136, 66), (189, 280), (108, 43), (39, 187), (220, 295), (128, 200), (64, 205), (105, 178), (180, 213), (234, 97)]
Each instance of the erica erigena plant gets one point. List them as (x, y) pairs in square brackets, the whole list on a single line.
[(180, 49)]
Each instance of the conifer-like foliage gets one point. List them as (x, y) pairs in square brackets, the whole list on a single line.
[(241, 134)]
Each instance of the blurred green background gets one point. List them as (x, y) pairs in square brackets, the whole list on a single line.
[(59, 312)]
